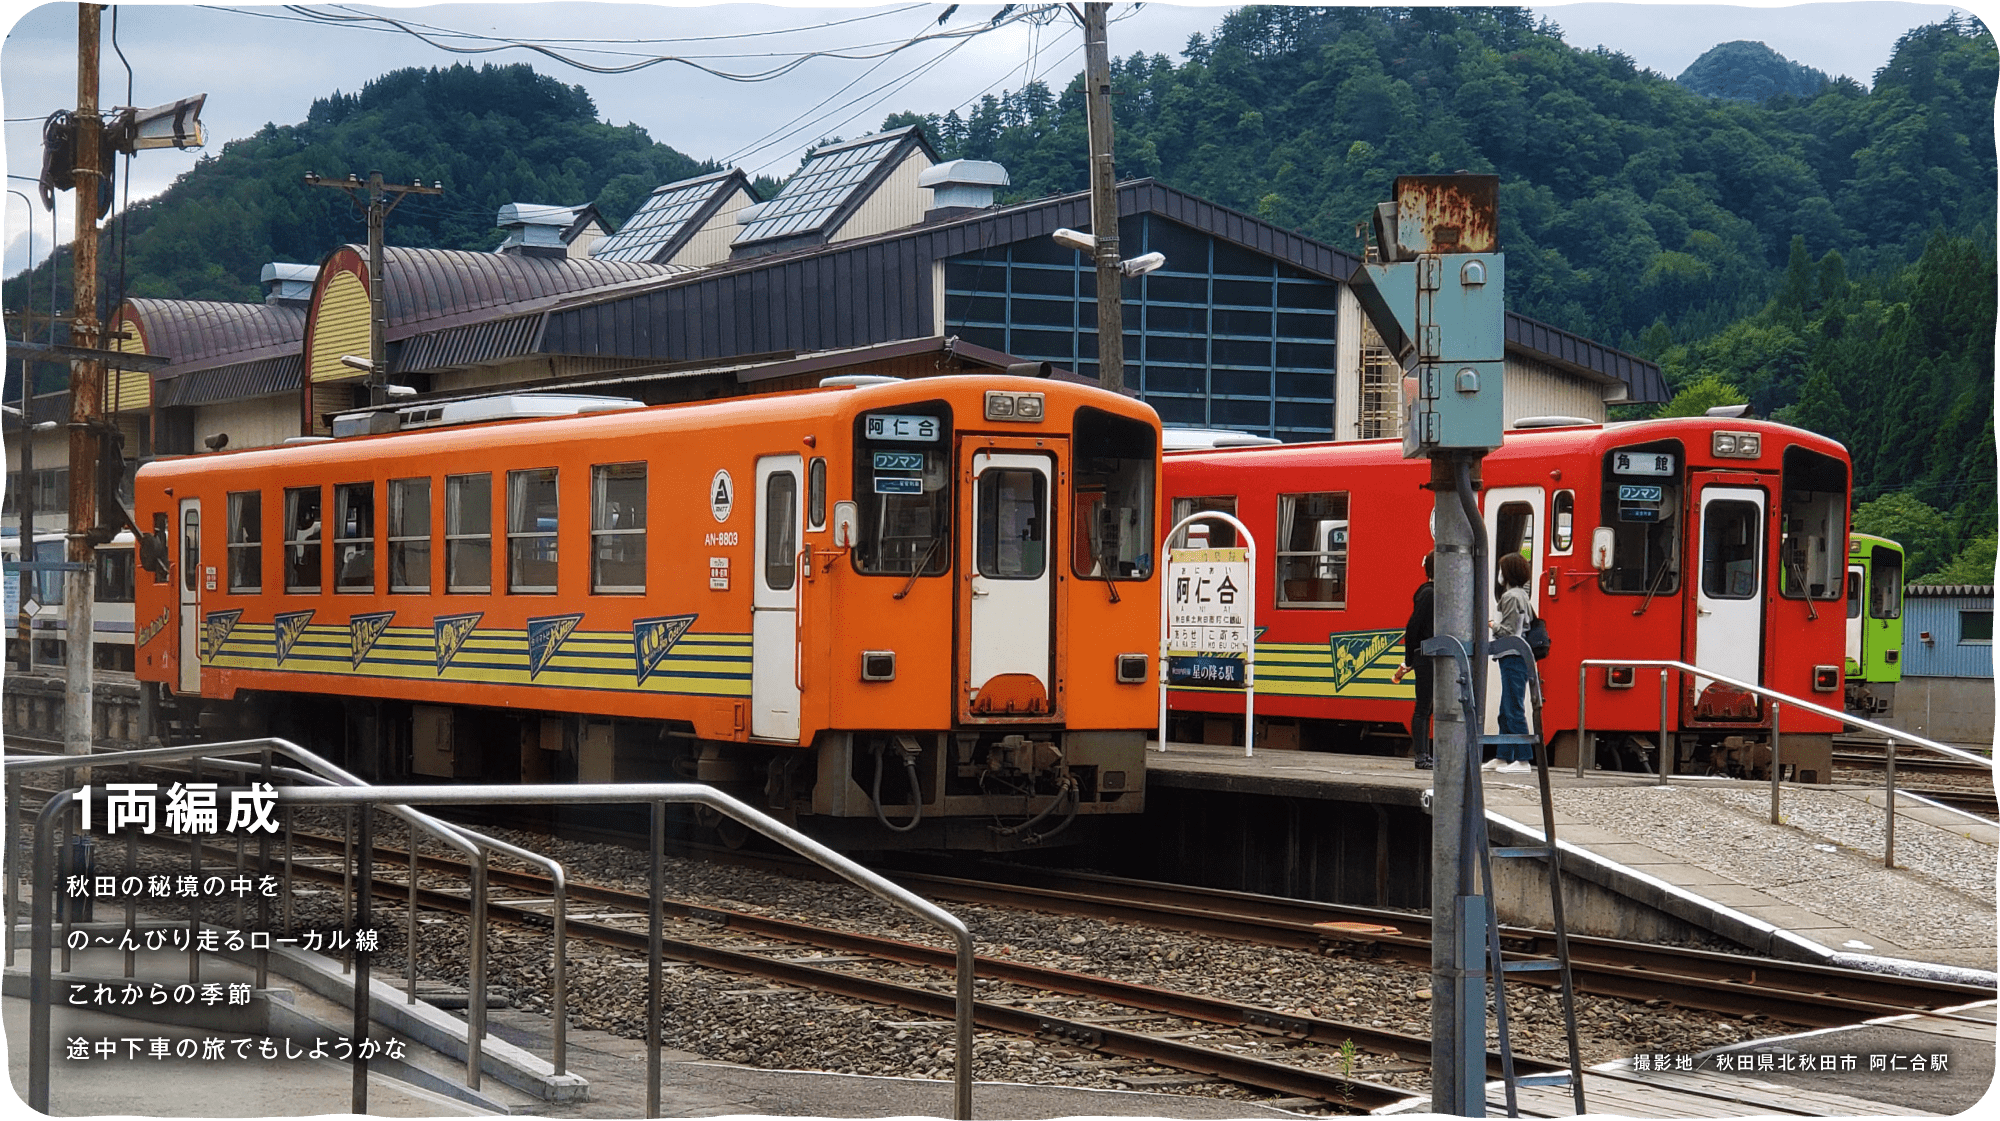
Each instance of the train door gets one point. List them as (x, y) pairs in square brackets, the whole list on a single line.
[(190, 593), (1856, 655), (774, 604), (1006, 646), (1513, 525), (1729, 598)]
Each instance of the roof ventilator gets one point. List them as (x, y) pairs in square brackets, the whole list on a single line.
[(477, 410)]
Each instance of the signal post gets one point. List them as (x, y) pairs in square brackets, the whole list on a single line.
[(1435, 296)]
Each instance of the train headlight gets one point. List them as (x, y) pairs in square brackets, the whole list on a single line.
[(1023, 408), (1736, 445), (1826, 678), (1619, 677), (878, 665), (1131, 669)]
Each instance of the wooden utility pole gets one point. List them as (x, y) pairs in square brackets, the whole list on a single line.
[(378, 216), (1103, 201), (86, 393)]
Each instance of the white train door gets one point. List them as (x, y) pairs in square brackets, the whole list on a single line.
[(774, 601), (190, 593), (1010, 577), (1729, 594), (1513, 524)]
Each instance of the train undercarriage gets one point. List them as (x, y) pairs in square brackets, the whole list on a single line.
[(990, 789)]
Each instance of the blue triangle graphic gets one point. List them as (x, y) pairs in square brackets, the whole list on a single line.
[(652, 638), (545, 637)]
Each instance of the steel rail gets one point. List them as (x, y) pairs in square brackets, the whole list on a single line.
[(1191, 1006)]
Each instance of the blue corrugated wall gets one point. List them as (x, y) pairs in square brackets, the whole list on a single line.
[(1944, 655)]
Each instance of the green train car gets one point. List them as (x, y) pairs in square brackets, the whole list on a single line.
[(1874, 623)]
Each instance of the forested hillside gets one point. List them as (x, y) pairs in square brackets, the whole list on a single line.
[(1831, 257), (492, 135), (1746, 71)]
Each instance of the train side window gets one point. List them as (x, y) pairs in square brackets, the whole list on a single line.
[(1563, 536), (246, 541), (410, 535), (1813, 526), (115, 575), (1731, 537), (531, 531), (160, 536), (1221, 535), (190, 548), (1516, 531), (781, 546), (1011, 526), (1112, 472), (468, 533), (1854, 593), (1641, 503), (302, 539), (1312, 550), (1885, 585), (618, 527), (816, 495), (354, 537)]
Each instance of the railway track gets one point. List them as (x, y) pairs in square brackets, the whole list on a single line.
[(1151, 1025)]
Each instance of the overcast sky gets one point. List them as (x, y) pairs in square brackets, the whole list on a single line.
[(260, 64)]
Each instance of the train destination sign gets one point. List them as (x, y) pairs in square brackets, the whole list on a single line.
[(1642, 463), (1208, 617), (903, 426)]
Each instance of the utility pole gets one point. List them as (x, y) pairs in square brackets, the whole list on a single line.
[(376, 193), (86, 393), (1435, 295), (1103, 201)]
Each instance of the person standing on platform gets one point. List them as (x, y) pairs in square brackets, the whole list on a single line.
[(1423, 618), (1517, 609)]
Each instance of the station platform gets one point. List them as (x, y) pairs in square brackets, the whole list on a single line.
[(1697, 851)]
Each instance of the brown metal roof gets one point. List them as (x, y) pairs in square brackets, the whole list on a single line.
[(431, 289), (198, 334)]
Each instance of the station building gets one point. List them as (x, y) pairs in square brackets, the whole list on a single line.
[(874, 254)]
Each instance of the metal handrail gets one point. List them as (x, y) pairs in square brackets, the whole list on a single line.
[(320, 769), (657, 795), (1892, 735)]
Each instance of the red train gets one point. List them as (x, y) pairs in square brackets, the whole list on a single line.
[(1716, 542)]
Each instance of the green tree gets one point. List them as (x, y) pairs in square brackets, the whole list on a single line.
[(1922, 531), (1972, 565), (1702, 395)]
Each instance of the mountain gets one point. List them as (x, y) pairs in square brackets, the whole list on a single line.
[(1747, 71)]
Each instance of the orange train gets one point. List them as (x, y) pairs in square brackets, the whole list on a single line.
[(894, 612)]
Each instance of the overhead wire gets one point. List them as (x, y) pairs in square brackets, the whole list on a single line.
[(897, 82), (793, 60)]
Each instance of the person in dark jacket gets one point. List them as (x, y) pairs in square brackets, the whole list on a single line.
[(1423, 617)]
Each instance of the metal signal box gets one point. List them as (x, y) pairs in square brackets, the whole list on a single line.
[(1436, 297)]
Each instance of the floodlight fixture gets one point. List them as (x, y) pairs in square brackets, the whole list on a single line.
[(355, 361), (399, 391), (1081, 242), (176, 124), (1142, 264)]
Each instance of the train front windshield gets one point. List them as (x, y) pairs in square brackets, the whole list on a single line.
[(902, 485), (1113, 501)]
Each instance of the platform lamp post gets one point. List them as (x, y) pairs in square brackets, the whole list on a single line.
[(1435, 296)]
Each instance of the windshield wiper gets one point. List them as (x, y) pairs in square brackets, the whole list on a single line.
[(1799, 574), (1105, 563), (1658, 579), (921, 564)]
